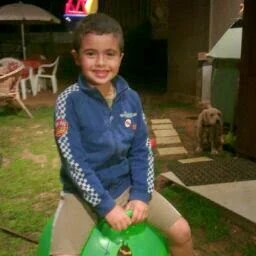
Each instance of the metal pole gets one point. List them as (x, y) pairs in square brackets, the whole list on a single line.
[(23, 41)]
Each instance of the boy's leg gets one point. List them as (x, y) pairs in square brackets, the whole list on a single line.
[(72, 224), (180, 234), (165, 217)]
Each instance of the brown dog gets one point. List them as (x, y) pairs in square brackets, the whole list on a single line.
[(209, 128)]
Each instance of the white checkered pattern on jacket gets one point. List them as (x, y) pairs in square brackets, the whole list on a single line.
[(150, 176), (150, 173), (76, 171)]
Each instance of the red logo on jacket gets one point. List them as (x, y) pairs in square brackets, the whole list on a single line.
[(61, 127)]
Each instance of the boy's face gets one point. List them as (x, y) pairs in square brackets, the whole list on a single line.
[(99, 58)]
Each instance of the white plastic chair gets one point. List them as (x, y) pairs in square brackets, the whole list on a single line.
[(47, 71), (23, 83)]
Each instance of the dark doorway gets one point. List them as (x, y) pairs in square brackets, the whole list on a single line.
[(145, 62)]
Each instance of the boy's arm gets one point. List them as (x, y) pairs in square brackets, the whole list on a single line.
[(141, 162), (73, 156)]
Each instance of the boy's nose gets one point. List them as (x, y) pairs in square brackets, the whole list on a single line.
[(100, 60)]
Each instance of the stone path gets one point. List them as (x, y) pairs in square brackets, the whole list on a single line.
[(168, 142), (167, 139)]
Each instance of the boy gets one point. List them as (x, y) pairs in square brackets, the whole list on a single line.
[(101, 134)]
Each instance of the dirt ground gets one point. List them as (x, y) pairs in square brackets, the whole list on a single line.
[(184, 122)]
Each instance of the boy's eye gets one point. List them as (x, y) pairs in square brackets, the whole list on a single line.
[(90, 53), (111, 53)]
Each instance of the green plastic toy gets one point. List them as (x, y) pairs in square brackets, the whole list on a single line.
[(137, 240)]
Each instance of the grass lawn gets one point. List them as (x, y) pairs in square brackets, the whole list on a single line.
[(29, 178), (29, 190)]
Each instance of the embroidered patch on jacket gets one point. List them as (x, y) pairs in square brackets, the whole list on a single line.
[(61, 127), (134, 127), (128, 115), (127, 123)]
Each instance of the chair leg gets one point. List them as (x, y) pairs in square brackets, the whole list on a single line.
[(24, 107), (36, 85), (41, 83), (44, 83), (23, 89), (54, 84), (33, 86)]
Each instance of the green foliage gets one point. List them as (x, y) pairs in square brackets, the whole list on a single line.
[(230, 139)]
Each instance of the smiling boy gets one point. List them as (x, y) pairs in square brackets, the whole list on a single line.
[(102, 139)]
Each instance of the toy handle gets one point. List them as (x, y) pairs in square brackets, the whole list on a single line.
[(129, 213)]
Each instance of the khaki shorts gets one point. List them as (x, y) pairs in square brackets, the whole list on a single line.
[(74, 220)]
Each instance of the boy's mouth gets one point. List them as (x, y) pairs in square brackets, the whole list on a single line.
[(101, 73)]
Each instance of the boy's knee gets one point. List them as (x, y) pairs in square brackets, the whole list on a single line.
[(179, 232)]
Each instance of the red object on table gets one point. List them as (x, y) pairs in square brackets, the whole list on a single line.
[(153, 143), (32, 62), (25, 72)]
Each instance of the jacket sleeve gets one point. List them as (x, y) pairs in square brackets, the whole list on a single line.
[(73, 156), (141, 161)]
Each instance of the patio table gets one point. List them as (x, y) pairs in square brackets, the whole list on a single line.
[(34, 63), (31, 66)]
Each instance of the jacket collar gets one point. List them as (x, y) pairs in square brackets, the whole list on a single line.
[(119, 82)]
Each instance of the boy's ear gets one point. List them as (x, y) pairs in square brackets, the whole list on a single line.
[(121, 56), (76, 57)]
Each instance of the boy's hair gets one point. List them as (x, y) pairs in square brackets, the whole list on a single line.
[(98, 23)]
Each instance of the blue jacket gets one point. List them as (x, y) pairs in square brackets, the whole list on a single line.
[(103, 150)]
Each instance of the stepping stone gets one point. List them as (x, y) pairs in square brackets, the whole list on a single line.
[(165, 133), (238, 197), (195, 160), (167, 140), (162, 127), (172, 151), (161, 121)]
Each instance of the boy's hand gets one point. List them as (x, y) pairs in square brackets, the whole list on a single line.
[(139, 210), (118, 219)]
